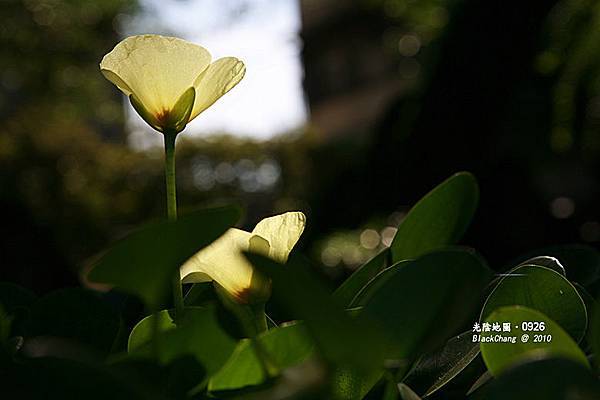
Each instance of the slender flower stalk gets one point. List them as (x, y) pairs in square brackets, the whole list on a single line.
[(171, 191), (170, 175)]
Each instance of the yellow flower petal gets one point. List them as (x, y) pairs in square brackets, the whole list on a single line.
[(282, 232), (219, 78), (156, 69), (222, 261)]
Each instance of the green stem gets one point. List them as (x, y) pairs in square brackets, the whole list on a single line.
[(172, 211), (259, 325), (170, 175), (259, 318)]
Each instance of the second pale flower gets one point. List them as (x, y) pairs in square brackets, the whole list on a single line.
[(223, 260)]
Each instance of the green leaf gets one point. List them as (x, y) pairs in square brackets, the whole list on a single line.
[(438, 219), (481, 381), (544, 261), (333, 330), (359, 278), (307, 299), (594, 336), (142, 332), (249, 319), (542, 289), (390, 388), (374, 284), (540, 261), (543, 378), (582, 263), (498, 356), (144, 262), (590, 306), (407, 393), (434, 371), (298, 291), (285, 347), (198, 334), (75, 314), (428, 300), (304, 381)]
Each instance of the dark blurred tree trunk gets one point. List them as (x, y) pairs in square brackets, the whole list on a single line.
[(482, 103)]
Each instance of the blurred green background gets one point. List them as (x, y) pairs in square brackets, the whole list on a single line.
[(400, 94)]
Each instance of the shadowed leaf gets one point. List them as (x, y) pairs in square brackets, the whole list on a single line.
[(359, 278), (144, 262), (542, 378), (542, 289), (499, 355), (438, 219)]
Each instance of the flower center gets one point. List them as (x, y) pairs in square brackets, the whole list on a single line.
[(163, 117)]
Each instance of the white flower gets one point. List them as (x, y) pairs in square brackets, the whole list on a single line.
[(169, 81), (223, 262)]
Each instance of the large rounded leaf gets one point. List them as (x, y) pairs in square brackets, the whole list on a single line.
[(359, 278), (284, 347), (594, 335), (438, 219), (374, 284), (434, 371), (427, 301), (542, 289), (406, 393), (500, 350), (543, 261), (142, 333), (543, 378), (145, 262), (198, 334), (582, 262), (352, 345)]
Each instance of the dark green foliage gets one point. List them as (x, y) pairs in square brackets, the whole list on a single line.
[(418, 321), (438, 219), (198, 334), (346, 292), (499, 356), (76, 314), (583, 262), (388, 333), (16, 302), (143, 263), (59, 378), (542, 289), (546, 378), (436, 369), (285, 347)]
